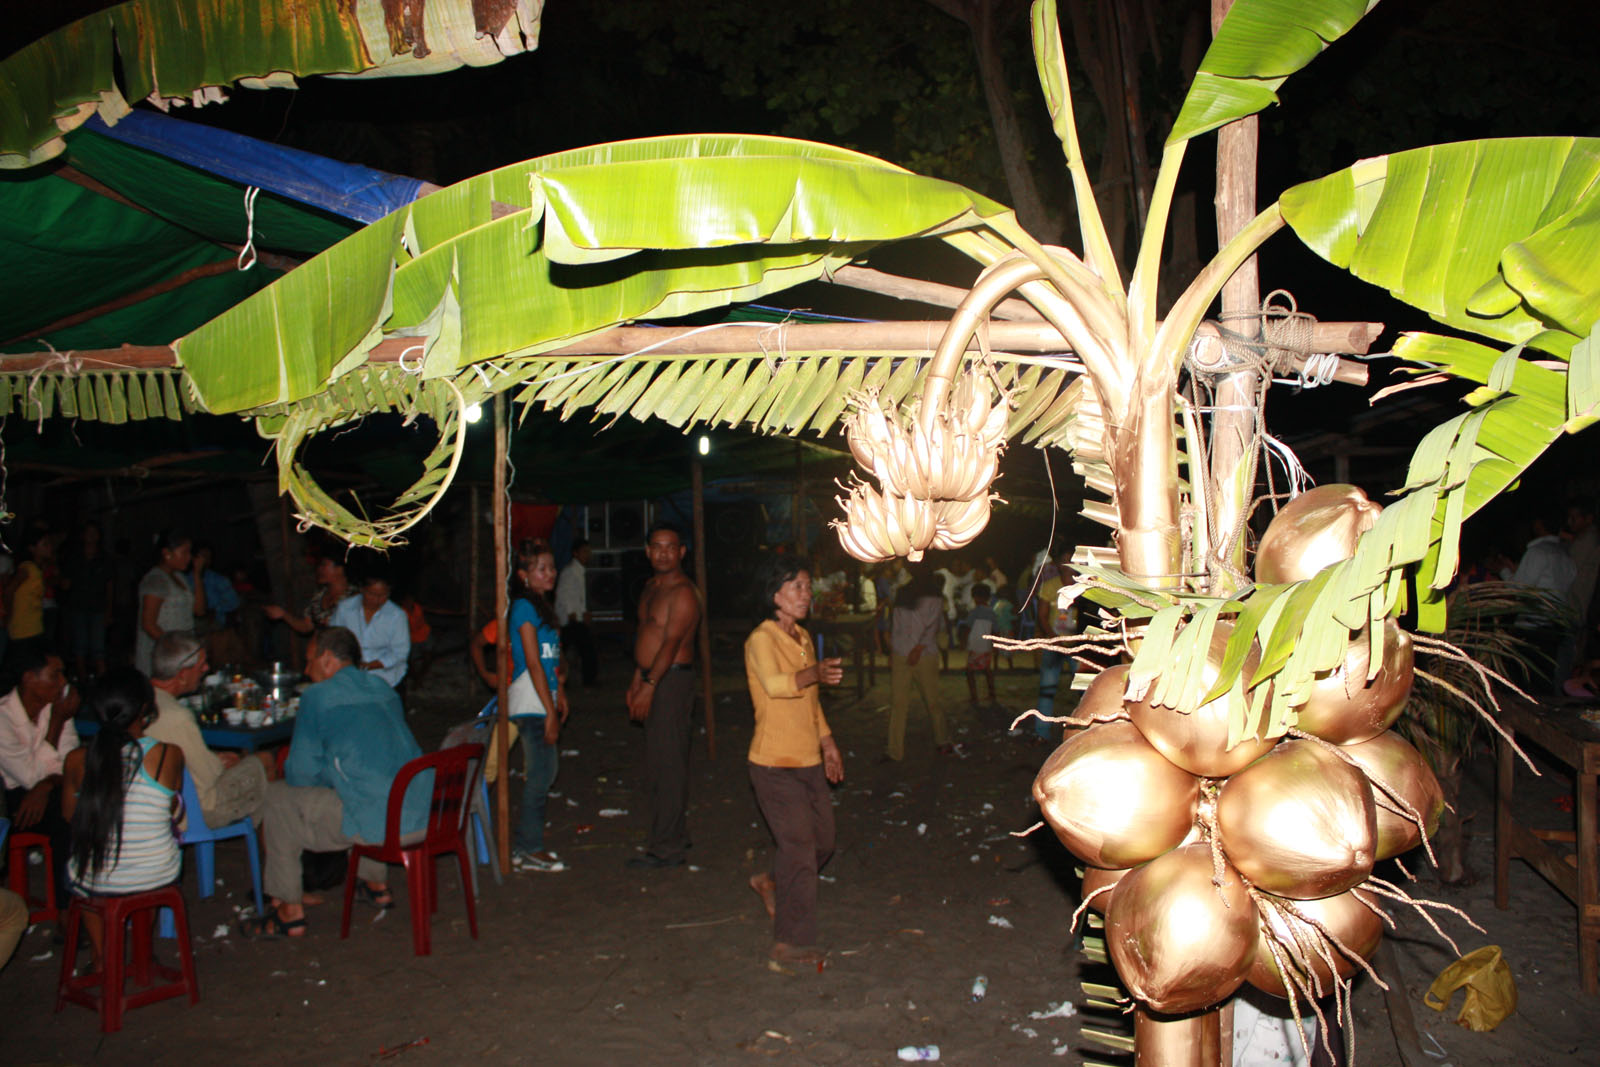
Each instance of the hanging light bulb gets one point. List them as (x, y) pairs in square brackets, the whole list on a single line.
[(474, 412), (703, 446)]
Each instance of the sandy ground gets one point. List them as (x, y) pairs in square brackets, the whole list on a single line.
[(603, 965)]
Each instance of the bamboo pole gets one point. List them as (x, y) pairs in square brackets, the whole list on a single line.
[(502, 557), (698, 508)]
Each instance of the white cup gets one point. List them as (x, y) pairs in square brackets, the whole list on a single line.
[(235, 716), (254, 717)]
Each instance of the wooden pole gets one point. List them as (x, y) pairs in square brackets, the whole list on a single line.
[(697, 491), (472, 554), (798, 516), (502, 612), (1233, 426), (288, 575)]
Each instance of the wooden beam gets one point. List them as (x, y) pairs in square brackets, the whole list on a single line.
[(727, 338), (502, 612), (697, 495)]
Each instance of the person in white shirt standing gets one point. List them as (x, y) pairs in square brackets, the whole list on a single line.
[(572, 609)]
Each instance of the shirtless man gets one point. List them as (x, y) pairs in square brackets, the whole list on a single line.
[(661, 695)]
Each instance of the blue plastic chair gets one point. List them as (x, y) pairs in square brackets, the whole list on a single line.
[(204, 839), (477, 730)]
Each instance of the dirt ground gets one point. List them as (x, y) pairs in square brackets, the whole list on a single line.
[(603, 965)]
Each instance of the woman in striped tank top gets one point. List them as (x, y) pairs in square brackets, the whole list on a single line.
[(121, 795)]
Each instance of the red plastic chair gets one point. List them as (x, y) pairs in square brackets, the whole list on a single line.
[(455, 776), (107, 992), (19, 845)]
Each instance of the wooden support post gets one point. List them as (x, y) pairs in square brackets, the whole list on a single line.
[(288, 576), (474, 561), (502, 612), (697, 491), (799, 516)]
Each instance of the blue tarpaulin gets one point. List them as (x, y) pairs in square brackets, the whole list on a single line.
[(344, 189)]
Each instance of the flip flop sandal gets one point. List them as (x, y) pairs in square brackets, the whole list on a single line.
[(383, 900), (271, 927)]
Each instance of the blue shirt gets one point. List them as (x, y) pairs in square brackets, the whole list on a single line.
[(222, 599), (351, 736), (522, 610), (387, 638)]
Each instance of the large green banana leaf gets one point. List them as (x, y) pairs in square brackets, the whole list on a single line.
[(1496, 237), (183, 50), (542, 253), (1259, 44)]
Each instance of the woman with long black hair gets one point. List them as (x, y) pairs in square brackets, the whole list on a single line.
[(538, 698), (121, 796)]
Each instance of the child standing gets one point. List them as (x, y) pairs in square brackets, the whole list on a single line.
[(979, 623)]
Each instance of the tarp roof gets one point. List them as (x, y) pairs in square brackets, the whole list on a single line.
[(129, 212), (132, 237)]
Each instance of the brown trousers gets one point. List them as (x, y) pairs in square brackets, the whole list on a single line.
[(799, 812), (666, 757)]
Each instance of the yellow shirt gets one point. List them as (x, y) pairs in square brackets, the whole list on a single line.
[(789, 722), (27, 603)]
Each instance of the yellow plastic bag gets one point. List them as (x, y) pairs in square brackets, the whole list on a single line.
[(1491, 991)]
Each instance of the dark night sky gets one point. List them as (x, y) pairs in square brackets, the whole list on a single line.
[(1413, 72)]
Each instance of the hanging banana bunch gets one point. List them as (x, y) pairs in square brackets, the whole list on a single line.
[(933, 471)]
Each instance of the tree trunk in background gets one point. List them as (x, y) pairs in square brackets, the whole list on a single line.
[(984, 19)]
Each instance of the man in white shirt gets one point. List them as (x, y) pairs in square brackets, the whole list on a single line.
[(36, 733), (380, 625), (572, 610)]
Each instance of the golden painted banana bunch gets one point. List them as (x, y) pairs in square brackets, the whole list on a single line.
[(933, 474)]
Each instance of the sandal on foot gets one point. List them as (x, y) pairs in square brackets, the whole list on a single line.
[(381, 899), (271, 927)]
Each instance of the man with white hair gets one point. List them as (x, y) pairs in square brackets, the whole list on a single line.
[(229, 786)]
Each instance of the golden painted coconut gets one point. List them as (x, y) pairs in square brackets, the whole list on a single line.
[(1095, 878), (1113, 799), (1299, 822), (1344, 707), (1103, 698), (1317, 528), (1180, 943), (1394, 761), (1198, 741), (1355, 924)]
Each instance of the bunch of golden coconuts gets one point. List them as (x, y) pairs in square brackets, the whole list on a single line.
[(1227, 866)]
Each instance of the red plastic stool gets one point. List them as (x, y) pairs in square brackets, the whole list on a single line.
[(107, 990), (18, 847)]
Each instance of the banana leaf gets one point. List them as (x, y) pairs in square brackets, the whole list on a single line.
[(1497, 237), (542, 253), (1259, 44), (182, 51)]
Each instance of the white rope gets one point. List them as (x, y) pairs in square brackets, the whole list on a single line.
[(1299, 478), (408, 368), (249, 248)]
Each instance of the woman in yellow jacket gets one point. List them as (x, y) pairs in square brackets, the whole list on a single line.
[(793, 756)]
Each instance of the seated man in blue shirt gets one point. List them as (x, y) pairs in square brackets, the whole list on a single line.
[(350, 741)]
